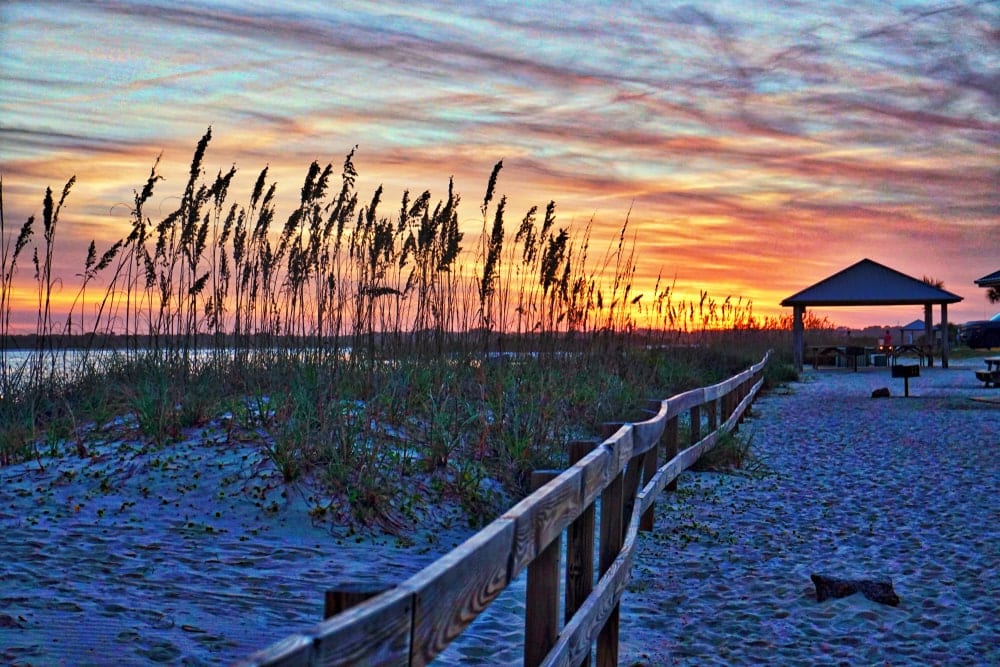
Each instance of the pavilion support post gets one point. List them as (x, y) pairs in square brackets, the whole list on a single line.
[(798, 336), (929, 332), (944, 335)]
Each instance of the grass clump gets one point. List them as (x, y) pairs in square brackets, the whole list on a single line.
[(382, 358), (732, 454)]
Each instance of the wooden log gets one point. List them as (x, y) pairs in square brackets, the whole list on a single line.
[(541, 612), (711, 410)]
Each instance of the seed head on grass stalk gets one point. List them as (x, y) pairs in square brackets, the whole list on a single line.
[(494, 248), (9, 252)]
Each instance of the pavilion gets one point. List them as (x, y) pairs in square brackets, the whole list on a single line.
[(869, 283), (915, 328), (992, 280)]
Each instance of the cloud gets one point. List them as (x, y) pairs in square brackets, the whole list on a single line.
[(793, 134)]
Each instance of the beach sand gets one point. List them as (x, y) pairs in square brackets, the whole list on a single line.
[(906, 489), (197, 554), (192, 553)]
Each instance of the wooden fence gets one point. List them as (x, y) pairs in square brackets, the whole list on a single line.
[(413, 622)]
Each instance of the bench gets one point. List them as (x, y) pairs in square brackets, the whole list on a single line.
[(987, 377)]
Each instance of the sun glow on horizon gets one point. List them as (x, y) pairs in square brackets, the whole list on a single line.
[(753, 152)]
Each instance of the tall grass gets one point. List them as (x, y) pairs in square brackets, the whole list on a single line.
[(385, 344)]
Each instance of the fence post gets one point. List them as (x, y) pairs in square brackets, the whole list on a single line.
[(580, 547), (650, 464), (612, 538), (342, 599), (670, 445), (712, 408), (695, 424), (541, 612)]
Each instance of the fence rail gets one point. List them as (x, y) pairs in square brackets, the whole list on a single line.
[(414, 621)]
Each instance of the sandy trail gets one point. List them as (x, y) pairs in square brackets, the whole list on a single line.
[(190, 554), (904, 488)]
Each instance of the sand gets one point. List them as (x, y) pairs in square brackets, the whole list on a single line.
[(906, 489), (190, 554), (193, 553)]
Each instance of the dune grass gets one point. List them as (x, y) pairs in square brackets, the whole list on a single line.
[(365, 350)]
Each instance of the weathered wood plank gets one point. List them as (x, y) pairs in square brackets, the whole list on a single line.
[(341, 599), (541, 607), (596, 470), (580, 539), (665, 475), (543, 515), (577, 638), (452, 591), (671, 445), (712, 414), (612, 534), (681, 403), (633, 476), (374, 632), (646, 434), (650, 463), (292, 651), (620, 443), (716, 391), (695, 424), (743, 405)]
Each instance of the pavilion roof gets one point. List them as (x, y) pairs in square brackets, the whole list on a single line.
[(991, 280), (868, 283)]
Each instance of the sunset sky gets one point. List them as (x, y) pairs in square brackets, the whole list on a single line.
[(760, 147)]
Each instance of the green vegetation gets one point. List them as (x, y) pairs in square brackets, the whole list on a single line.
[(374, 356)]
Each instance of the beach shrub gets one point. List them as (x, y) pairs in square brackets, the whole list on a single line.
[(732, 452)]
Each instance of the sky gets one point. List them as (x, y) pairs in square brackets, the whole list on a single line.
[(754, 147)]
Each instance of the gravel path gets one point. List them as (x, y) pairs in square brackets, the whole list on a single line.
[(900, 488)]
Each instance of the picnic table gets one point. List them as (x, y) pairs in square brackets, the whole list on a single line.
[(925, 354), (992, 372), (849, 354)]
